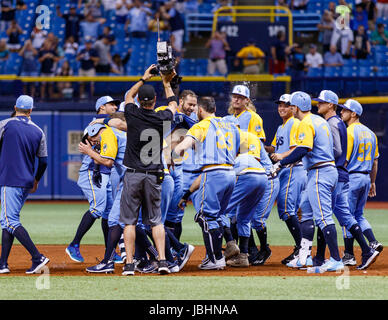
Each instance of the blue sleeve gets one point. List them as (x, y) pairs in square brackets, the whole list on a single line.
[(42, 165), (295, 156)]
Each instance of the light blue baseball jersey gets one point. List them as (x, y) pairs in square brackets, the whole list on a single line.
[(285, 136)]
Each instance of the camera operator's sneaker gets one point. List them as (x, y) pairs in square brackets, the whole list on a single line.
[(128, 269), (163, 267)]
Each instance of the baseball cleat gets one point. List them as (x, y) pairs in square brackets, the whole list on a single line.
[(173, 266), (163, 267), (349, 259), (102, 268), (240, 261), (185, 255), (146, 266), (295, 263), (117, 259), (4, 268), (263, 256), (128, 269), (368, 260), (292, 256), (318, 262), (207, 264), (231, 249), (332, 265), (309, 263), (377, 246), (74, 253), (38, 265)]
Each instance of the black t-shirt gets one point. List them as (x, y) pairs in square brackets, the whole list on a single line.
[(86, 62), (145, 137), (47, 65), (280, 47), (72, 24)]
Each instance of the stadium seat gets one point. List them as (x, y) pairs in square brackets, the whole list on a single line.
[(364, 62), (382, 71), (381, 58), (314, 72), (349, 71), (329, 72), (366, 71)]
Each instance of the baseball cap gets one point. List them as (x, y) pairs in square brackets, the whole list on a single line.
[(146, 93), (327, 96), (301, 99), (94, 128), (353, 106), (104, 100), (241, 90), (24, 102), (283, 98), (88, 39), (122, 106)]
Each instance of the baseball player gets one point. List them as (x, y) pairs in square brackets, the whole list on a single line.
[(219, 140), (315, 147), (95, 184), (362, 161), (112, 148), (292, 179), (21, 141), (327, 107)]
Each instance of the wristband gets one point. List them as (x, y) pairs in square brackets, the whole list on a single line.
[(106, 121), (187, 195), (171, 99), (142, 80)]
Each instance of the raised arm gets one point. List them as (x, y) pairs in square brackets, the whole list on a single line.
[(131, 94)]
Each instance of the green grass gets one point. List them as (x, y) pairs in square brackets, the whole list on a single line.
[(194, 288), (57, 224)]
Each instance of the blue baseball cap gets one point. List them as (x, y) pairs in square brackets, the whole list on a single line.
[(25, 102), (285, 98), (353, 106), (94, 128), (104, 100), (241, 90), (301, 100), (327, 96)]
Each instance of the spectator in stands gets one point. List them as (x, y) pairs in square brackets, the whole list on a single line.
[(370, 7), (190, 6), (326, 26), (360, 17), (176, 52), (8, 10), (47, 58), (73, 20), (314, 58), (29, 66), (4, 52), (13, 33), (361, 43), (382, 8), (92, 6), (342, 38), (331, 9), (122, 10), (108, 33), (137, 20), (296, 60), (153, 24), (102, 47), (118, 64), (90, 26), (252, 58), (54, 40), (109, 8), (299, 4), (379, 36), (38, 36), (333, 58), (65, 88), (70, 47), (282, 3), (218, 47), (277, 62), (176, 22), (88, 58), (344, 3)]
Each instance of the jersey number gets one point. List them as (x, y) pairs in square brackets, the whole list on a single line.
[(225, 141), (362, 149)]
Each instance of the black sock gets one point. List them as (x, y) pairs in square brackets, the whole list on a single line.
[(233, 229), (178, 230), (349, 245), (121, 244), (6, 245), (24, 238), (262, 234), (167, 249), (358, 235), (252, 244), (368, 233), (243, 244), (85, 224), (216, 238), (228, 234), (174, 242), (143, 241), (114, 235), (294, 228), (105, 230), (330, 234), (321, 245), (308, 229)]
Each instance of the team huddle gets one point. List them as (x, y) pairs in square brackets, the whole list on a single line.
[(317, 166)]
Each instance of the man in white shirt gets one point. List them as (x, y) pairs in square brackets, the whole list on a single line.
[(344, 35), (313, 58)]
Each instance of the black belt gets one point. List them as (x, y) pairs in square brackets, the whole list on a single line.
[(362, 172), (323, 166), (153, 172), (194, 171)]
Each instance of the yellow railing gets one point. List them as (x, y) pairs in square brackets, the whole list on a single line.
[(272, 12)]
